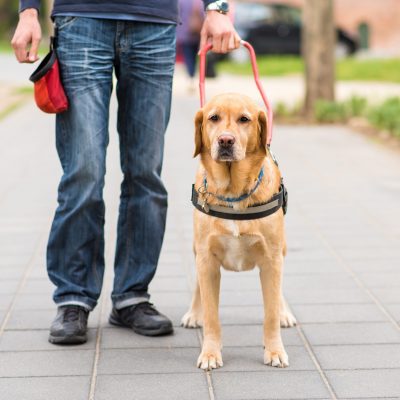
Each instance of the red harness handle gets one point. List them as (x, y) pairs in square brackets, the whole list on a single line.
[(203, 53)]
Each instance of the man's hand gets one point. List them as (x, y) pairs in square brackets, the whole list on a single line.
[(218, 30), (27, 36)]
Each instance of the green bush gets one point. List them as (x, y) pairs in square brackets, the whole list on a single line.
[(356, 106), (330, 111), (387, 115)]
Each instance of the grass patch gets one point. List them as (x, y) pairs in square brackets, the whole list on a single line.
[(385, 70), (11, 108), (267, 65), (387, 116)]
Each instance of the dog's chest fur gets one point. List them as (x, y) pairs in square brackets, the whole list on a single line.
[(236, 249)]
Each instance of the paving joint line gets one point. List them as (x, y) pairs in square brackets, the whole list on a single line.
[(321, 372), (189, 277), (23, 279), (350, 272)]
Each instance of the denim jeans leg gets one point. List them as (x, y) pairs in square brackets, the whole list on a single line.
[(75, 259), (145, 65)]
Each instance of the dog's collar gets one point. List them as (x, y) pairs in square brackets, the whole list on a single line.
[(254, 212), (204, 192)]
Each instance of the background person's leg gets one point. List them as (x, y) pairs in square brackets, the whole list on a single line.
[(145, 65), (75, 259)]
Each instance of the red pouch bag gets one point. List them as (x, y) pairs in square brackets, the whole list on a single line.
[(49, 92)]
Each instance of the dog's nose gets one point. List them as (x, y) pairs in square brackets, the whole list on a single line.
[(226, 140)]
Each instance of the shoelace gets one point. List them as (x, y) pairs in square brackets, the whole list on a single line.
[(147, 308), (71, 313)]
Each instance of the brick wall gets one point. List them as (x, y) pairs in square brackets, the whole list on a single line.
[(382, 17)]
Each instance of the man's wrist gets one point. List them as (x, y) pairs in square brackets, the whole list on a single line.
[(29, 4), (29, 12), (220, 6)]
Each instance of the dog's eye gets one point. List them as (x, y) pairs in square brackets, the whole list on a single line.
[(243, 118), (214, 117)]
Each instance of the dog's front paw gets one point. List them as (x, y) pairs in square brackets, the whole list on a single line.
[(287, 319), (209, 360), (191, 320), (276, 358)]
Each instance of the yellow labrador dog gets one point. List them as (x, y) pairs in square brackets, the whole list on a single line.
[(238, 221)]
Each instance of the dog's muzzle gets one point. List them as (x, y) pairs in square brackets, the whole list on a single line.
[(226, 147)]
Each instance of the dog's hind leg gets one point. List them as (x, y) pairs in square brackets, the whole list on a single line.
[(287, 319), (194, 316)]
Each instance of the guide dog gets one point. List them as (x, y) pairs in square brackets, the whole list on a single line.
[(238, 221)]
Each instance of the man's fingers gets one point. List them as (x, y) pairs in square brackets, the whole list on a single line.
[(237, 41), (20, 51), (217, 43), (231, 44), (34, 49), (225, 42)]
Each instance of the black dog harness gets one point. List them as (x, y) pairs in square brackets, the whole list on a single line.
[(277, 201)]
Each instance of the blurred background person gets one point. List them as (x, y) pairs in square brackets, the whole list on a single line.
[(188, 35)]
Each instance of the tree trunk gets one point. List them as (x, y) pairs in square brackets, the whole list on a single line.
[(318, 40)]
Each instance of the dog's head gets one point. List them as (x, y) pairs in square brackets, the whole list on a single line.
[(229, 126)]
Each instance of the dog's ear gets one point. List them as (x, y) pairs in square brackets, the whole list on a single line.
[(262, 128), (198, 132)]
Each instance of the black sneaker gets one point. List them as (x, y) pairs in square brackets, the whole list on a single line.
[(70, 325), (143, 318)]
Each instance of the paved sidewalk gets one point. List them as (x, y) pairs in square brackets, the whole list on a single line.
[(342, 278)]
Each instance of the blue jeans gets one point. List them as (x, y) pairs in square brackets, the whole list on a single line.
[(142, 56)]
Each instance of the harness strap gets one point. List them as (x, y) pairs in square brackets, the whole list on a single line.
[(255, 212)]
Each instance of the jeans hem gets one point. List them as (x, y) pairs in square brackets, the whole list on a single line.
[(123, 301), (83, 302)]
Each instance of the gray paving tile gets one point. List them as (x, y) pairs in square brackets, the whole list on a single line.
[(138, 361), (377, 383), (371, 356), (252, 335), (38, 286), (241, 298), (169, 284), (12, 272), (305, 267), (5, 300), (317, 295), (171, 299), (39, 301), (37, 340), (152, 386), (315, 313), (46, 363), (394, 310), (241, 315), (8, 286), (39, 388), (351, 333), (381, 279), (238, 359), (387, 295), (269, 385), (378, 266), (126, 339)]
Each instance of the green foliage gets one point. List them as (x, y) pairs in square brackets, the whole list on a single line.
[(387, 115), (330, 111), (356, 106), (267, 65), (369, 70), (346, 69)]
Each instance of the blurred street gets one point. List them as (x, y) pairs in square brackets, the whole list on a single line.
[(342, 276)]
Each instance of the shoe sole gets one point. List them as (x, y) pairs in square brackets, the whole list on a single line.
[(165, 330), (67, 339)]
